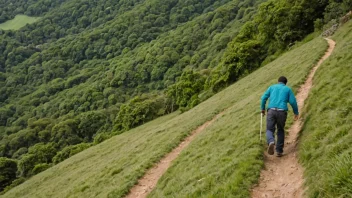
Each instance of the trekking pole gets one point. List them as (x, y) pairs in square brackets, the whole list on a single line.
[(261, 125)]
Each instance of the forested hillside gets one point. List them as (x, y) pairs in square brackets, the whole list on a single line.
[(88, 70), (89, 66)]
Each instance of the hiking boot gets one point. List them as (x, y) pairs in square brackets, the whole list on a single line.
[(279, 154), (271, 148)]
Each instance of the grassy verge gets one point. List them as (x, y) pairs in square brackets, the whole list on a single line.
[(225, 160), (18, 22), (325, 148)]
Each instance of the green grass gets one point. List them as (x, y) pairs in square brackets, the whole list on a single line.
[(223, 160), (325, 148), (18, 22)]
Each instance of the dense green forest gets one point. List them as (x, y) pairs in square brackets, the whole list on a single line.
[(92, 69)]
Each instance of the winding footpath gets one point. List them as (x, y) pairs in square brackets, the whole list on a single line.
[(283, 177), (148, 182)]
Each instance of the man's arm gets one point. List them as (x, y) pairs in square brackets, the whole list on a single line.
[(293, 102), (264, 98)]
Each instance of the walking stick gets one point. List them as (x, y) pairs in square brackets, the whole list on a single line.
[(261, 125)]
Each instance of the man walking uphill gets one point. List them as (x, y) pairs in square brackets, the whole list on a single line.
[(279, 95)]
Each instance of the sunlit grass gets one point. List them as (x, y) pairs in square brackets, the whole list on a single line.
[(18, 22), (325, 148), (223, 161)]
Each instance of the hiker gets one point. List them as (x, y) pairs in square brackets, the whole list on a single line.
[(279, 95)]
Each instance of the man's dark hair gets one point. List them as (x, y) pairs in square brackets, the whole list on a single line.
[(283, 79)]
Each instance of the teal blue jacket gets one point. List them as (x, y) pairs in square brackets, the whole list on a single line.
[(279, 95)]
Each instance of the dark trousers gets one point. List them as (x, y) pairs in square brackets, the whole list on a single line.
[(276, 119)]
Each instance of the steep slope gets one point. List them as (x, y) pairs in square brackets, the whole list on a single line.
[(224, 160), (88, 70), (325, 145), (69, 78)]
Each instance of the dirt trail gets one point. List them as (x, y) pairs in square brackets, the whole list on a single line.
[(148, 182), (283, 177)]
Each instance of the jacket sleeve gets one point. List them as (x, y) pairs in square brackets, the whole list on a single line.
[(265, 97), (293, 102)]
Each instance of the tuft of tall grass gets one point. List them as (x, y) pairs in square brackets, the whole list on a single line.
[(340, 175)]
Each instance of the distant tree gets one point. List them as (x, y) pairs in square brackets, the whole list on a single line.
[(140, 110), (69, 151), (4, 115), (40, 168), (90, 123), (8, 169), (37, 154), (66, 133), (185, 92)]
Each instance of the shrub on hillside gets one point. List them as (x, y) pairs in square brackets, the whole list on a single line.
[(90, 123), (14, 183), (39, 153), (69, 151), (139, 110), (40, 168), (8, 169), (186, 91)]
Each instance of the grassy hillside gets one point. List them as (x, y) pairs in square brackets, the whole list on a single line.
[(325, 148), (18, 22), (223, 160)]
